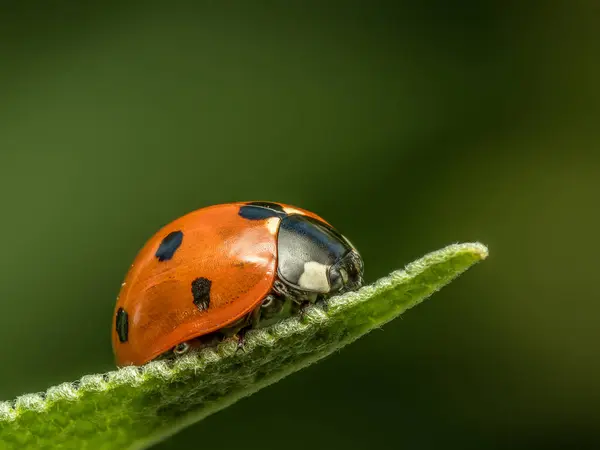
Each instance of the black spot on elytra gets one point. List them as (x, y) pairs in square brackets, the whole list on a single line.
[(261, 210), (201, 293), (122, 325), (169, 246)]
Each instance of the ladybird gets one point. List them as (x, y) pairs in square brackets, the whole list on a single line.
[(221, 270)]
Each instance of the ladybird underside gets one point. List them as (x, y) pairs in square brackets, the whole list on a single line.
[(287, 302)]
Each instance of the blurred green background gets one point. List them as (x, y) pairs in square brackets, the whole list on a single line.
[(407, 125)]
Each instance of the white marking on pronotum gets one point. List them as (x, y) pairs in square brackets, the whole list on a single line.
[(272, 225), (314, 277)]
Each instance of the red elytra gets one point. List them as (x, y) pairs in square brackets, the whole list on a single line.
[(213, 249)]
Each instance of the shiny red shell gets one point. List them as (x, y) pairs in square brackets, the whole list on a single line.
[(155, 309)]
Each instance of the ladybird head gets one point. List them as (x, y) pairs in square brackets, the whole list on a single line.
[(314, 257), (347, 273)]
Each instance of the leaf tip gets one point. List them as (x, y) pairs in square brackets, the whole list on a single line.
[(478, 249)]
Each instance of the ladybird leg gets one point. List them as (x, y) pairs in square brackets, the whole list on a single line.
[(181, 348), (302, 308), (238, 329), (322, 303), (241, 337), (252, 321), (273, 309)]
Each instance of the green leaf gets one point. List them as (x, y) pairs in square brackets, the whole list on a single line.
[(135, 407)]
